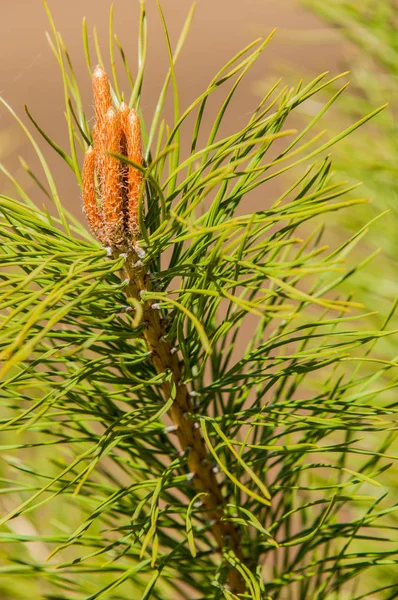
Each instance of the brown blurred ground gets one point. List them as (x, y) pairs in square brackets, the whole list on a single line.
[(29, 73)]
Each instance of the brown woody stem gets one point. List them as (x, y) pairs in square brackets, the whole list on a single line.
[(189, 436)]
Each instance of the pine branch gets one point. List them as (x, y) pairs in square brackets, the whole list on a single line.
[(100, 342), (114, 220)]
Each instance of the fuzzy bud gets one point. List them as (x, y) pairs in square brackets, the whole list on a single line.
[(131, 128), (112, 203), (90, 196), (113, 216)]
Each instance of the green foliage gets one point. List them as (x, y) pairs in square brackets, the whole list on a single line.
[(371, 156), (99, 503)]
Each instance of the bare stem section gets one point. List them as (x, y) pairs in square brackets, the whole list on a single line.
[(111, 191), (191, 441)]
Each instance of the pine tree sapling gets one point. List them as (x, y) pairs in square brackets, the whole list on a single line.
[(190, 406)]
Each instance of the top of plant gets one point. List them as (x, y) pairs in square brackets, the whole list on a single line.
[(297, 430)]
